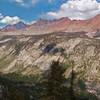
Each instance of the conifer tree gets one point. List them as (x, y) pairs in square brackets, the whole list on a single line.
[(72, 83), (55, 84)]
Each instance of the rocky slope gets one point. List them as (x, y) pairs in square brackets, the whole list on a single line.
[(41, 50), (32, 54)]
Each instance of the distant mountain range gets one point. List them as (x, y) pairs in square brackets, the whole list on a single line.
[(90, 26), (19, 26)]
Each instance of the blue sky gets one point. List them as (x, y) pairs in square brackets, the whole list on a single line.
[(28, 12), (12, 11)]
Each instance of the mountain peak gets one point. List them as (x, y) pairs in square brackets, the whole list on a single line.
[(64, 18), (43, 21), (18, 26), (20, 22)]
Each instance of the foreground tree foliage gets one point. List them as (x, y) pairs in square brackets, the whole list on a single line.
[(15, 94), (72, 80), (51, 86), (55, 82)]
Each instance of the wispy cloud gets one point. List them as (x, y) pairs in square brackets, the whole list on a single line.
[(50, 1), (77, 9), (29, 22), (20, 1), (27, 3), (34, 1)]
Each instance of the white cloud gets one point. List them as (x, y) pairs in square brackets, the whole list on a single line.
[(34, 1), (13, 20), (1, 16), (77, 9), (30, 23), (10, 20), (55, 1), (50, 1), (20, 1), (26, 3)]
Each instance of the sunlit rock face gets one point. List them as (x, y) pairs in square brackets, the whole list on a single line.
[(23, 52)]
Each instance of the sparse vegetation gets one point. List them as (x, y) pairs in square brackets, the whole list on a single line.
[(54, 86), (29, 79), (6, 60)]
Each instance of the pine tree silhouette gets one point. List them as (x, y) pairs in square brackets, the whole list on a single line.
[(72, 83), (55, 83)]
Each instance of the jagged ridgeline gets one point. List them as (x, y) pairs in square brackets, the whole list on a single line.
[(25, 61)]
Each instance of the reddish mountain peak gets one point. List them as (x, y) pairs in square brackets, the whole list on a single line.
[(95, 17), (65, 19), (55, 20), (43, 21)]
